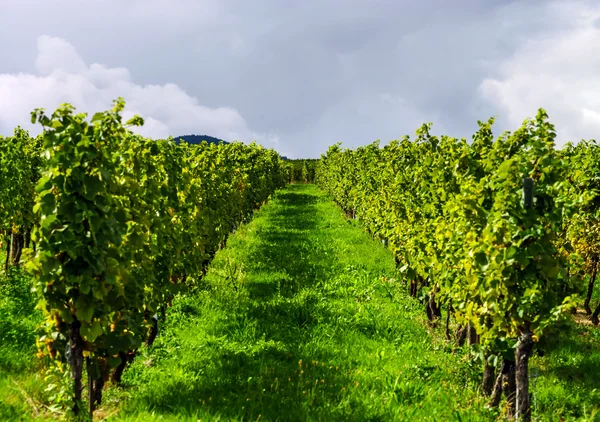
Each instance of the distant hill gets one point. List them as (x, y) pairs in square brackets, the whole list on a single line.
[(196, 139)]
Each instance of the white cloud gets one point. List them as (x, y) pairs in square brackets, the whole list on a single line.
[(558, 72), (56, 54), (63, 76)]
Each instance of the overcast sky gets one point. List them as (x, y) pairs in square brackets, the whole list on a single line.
[(301, 75)]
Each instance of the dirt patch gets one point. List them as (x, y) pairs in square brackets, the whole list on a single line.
[(582, 318)]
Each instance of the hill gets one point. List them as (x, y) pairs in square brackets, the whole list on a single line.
[(196, 139)]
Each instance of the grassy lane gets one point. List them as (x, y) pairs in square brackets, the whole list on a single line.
[(299, 318)]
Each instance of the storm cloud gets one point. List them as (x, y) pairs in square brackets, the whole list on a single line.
[(300, 76)]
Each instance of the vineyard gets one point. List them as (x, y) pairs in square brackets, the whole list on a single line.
[(145, 278), (502, 234), (302, 170), (119, 224)]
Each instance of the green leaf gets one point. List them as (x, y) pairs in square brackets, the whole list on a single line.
[(91, 331), (83, 310)]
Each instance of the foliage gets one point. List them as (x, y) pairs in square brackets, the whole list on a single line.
[(124, 224), (302, 170), (20, 162), (453, 215), (582, 163)]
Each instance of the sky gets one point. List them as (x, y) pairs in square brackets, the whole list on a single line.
[(301, 76)]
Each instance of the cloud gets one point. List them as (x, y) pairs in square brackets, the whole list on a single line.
[(63, 76), (556, 71), (312, 73)]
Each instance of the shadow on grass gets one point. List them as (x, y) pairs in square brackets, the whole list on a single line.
[(288, 248), (568, 386), (577, 358)]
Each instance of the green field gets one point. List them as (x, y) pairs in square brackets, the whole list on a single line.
[(301, 317)]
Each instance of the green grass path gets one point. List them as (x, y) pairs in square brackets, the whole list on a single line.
[(301, 318)]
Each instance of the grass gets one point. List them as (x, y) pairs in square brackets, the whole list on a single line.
[(567, 386), (302, 317), (18, 367)]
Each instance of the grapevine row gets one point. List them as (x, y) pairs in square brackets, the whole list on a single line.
[(453, 214), (302, 170), (121, 224), (20, 163)]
